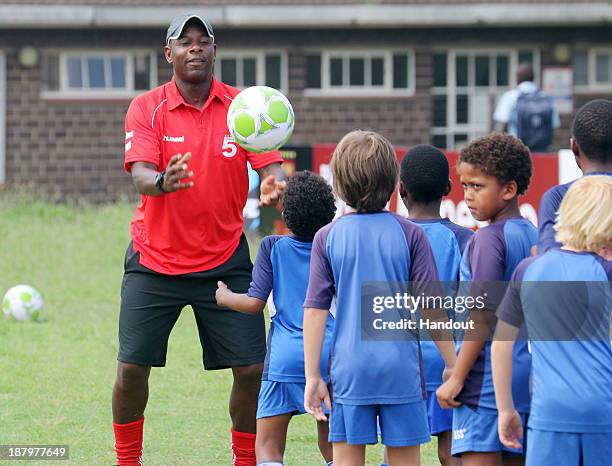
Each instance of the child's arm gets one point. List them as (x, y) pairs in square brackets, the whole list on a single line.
[(470, 348), (261, 285), (447, 350), (509, 423), (511, 317), (319, 297), (315, 321), (442, 338), (486, 254), (236, 301)]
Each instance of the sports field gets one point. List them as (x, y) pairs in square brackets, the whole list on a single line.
[(56, 377)]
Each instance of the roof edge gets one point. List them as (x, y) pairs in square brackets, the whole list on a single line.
[(309, 16)]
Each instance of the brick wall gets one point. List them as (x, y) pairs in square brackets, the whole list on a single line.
[(66, 149), (404, 120), (74, 149)]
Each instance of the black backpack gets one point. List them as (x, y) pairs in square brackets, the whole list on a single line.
[(534, 120)]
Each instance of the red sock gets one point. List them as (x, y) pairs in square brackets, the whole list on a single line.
[(128, 442), (243, 448)]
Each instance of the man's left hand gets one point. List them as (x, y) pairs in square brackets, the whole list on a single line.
[(270, 191)]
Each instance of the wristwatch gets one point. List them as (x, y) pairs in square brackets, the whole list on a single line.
[(159, 181)]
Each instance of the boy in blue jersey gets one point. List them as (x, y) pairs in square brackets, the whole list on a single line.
[(424, 180), (280, 276), (591, 143), (494, 171), (374, 375), (568, 324)]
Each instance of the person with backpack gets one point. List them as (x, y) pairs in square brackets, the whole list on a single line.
[(527, 112)]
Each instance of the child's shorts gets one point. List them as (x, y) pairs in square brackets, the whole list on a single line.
[(401, 425), (476, 430), (568, 449), (276, 398), (440, 419)]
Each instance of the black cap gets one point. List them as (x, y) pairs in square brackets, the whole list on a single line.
[(178, 24)]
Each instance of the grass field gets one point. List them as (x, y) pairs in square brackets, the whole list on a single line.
[(56, 377)]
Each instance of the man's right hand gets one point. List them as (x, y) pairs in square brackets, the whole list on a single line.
[(176, 172)]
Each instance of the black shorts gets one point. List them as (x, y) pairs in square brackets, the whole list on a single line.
[(152, 302)]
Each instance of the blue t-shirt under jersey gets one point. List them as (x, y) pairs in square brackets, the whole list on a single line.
[(448, 242), (281, 269), (571, 379), (491, 256), (547, 217), (359, 248)]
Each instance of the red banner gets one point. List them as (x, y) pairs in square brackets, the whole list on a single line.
[(545, 175)]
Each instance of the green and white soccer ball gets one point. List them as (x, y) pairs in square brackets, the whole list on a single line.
[(23, 302), (260, 119)]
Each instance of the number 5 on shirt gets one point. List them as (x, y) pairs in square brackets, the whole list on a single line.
[(229, 147)]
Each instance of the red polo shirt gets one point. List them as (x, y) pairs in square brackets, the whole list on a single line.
[(198, 228)]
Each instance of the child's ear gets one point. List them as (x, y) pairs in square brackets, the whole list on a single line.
[(448, 189), (403, 192), (510, 190), (574, 146), (606, 253), (576, 150)]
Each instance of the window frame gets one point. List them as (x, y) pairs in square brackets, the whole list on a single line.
[(346, 90), (66, 92), (451, 90), (260, 64), (592, 85)]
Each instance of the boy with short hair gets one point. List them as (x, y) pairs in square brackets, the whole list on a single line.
[(494, 171), (424, 180), (374, 375), (591, 144), (280, 276), (564, 298)]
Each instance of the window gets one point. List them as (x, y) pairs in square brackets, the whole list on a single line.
[(257, 68), (100, 74), (592, 69), (466, 87), (350, 72)]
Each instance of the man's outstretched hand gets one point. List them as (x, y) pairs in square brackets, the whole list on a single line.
[(270, 191), (178, 176)]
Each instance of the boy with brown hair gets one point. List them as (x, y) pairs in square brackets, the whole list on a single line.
[(376, 369)]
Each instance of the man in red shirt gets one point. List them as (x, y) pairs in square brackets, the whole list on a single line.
[(186, 236)]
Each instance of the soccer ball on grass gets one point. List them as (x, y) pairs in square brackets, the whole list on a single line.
[(24, 303), (260, 119)]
